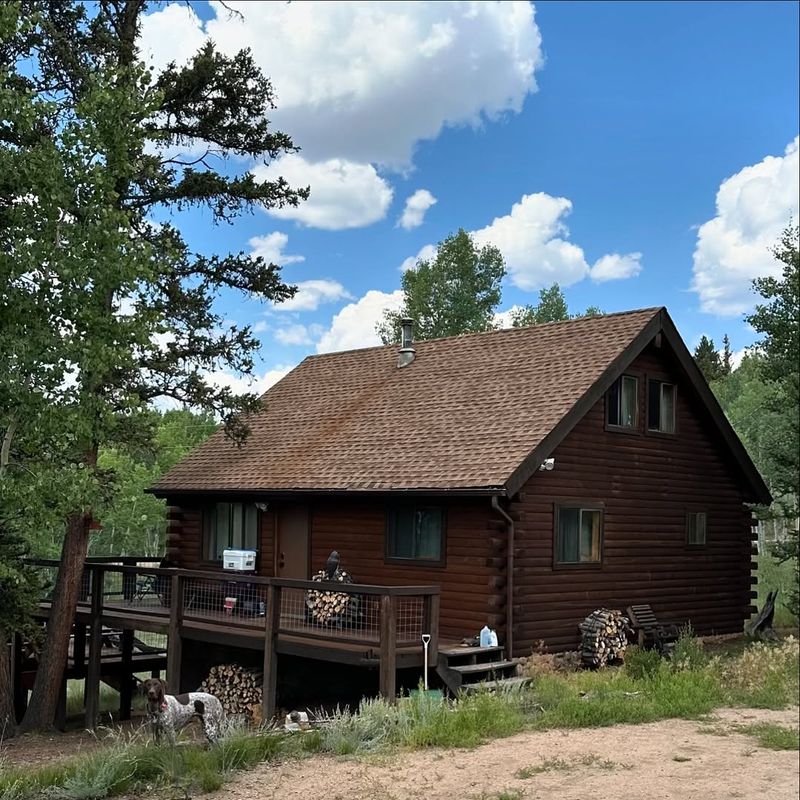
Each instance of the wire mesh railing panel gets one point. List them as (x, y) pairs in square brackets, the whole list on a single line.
[(137, 589), (335, 615), (239, 602), (409, 619)]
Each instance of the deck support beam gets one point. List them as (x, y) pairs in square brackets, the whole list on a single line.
[(269, 689), (94, 668), (20, 692), (126, 678), (388, 663), (175, 642)]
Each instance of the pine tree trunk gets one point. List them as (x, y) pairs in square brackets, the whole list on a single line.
[(52, 663), (8, 721)]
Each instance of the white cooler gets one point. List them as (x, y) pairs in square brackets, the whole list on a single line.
[(239, 560)]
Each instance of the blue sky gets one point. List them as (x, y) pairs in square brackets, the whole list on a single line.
[(589, 141)]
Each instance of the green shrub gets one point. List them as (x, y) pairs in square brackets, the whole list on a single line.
[(642, 664), (774, 737), (688, 652), (765, 675)]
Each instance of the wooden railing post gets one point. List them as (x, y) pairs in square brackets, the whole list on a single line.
[(174, 641), (430, 625), (94, 668), (271, 626), (388, 645)]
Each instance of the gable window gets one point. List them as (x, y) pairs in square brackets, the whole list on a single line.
[(661, 406), (230, 526), (415, 533), (622, 407), (578, 535), (696, 528)]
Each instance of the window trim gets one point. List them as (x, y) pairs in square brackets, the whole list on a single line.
[(661, 382), (582, 505), (417, 562), (696, 545), (636, 429), (208, 515)]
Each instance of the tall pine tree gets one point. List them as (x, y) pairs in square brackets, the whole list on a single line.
[(707, 358), (105, 309)]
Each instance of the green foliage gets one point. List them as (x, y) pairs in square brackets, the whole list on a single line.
[(777, 575), (708, 359), (773, 737), (688, 652), (455, 292), (641, 664), (778, 319), (552, 307)]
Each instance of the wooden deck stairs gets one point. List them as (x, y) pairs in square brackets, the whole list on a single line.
[(465, 669)]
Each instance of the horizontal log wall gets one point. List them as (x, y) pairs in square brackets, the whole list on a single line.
[(647, 483), (357, 531)]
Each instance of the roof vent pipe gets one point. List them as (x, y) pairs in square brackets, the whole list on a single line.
[(407, 352)]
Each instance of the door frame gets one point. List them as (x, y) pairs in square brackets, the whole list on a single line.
[(276, 550)]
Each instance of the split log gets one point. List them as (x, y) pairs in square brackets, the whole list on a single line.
[(334, 609)]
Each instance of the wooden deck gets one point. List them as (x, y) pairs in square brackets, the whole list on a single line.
[(270, 615)]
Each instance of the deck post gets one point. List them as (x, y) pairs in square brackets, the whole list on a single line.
[(93, 671), (431, 626), (126, 678), (175, 643), (79, 648), (20, 692), (271, 625), (388, 662)]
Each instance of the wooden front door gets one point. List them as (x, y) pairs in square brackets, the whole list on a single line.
[(293, 549)]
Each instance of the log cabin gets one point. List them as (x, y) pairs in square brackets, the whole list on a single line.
[(518, 479), (531, 474)]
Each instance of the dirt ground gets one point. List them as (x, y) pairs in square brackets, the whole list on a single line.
[(708, 760), (673, 759)]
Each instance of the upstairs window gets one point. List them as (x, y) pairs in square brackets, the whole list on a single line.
[(696, 528), (231, 526), (622, 407), (661, 406), (415, 533), (578, 535)]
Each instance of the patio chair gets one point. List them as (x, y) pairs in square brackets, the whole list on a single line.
[(650, 633)]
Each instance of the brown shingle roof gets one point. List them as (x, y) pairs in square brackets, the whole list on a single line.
[(464, 415)]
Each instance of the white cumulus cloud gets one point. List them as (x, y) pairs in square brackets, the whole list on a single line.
[(270, 248), (343, 194), (312, 294), (614, 267), (415, 209), (367, 81), (534, 241), (425, 253), (354, 326), (753, 207), (258, 384), (298, 334)]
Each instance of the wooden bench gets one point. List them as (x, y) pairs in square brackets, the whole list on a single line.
[(651, 633)]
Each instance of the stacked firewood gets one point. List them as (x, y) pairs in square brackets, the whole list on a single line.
[(333, 609), (604, 637), (238, 689)]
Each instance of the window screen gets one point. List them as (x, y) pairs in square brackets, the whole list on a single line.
[(578, 535), (415, 533), (231, 526)]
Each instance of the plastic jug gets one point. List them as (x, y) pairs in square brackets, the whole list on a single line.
[(485, 636), (492, 638)]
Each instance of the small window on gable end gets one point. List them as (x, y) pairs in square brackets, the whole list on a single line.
[(660, 406), (578, 535), (696, 528), (622, 403)]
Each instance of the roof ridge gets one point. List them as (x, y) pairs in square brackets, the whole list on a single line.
[(538, 326)]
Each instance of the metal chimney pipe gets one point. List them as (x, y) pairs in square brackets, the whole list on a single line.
[(407, 352)]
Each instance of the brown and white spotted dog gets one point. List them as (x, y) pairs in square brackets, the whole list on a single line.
[(168, 714)]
